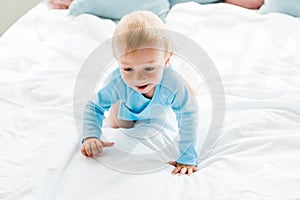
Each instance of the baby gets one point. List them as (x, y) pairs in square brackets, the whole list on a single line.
[(143, 80)]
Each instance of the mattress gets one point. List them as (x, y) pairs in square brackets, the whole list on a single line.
[(253, 155)]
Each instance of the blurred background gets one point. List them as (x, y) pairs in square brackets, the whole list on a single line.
[(12, 10)]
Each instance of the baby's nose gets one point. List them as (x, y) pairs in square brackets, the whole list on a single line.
[(139, 76)]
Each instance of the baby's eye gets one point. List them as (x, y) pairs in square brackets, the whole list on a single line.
[(128, 69), (149, 69)]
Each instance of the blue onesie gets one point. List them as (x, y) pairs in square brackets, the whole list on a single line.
[(172, 92)]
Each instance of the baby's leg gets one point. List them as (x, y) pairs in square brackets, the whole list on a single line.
[(113, 118)]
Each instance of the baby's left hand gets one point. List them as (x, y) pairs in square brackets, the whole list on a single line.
[(182, 169)]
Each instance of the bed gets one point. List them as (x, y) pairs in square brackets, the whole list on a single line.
[(256, 154)]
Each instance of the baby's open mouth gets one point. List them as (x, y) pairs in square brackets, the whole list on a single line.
[(142, 87)]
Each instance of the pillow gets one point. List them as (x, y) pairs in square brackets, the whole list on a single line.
[(250, 4), (116, 9), (173, 2), (291, 7)]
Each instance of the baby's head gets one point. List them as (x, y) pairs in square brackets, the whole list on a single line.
[(141, 46)]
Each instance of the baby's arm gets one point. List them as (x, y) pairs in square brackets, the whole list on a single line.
[(93, 119), (184, 105)]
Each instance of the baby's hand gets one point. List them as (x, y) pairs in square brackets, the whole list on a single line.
[(93, 146), (183, 169)]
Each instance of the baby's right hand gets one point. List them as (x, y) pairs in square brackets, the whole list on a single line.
[(93, 146)]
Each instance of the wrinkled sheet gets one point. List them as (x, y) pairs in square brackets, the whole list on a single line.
[(255, 157)]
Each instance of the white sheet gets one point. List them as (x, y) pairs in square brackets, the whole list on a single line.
[(257, 156)]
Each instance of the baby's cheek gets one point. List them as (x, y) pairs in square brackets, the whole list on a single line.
[(127, 79), (158, 76)]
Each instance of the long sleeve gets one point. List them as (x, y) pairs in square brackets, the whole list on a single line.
[(94, 110), (185, 106)]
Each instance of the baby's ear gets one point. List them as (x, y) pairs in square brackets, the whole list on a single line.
[(168, 58)]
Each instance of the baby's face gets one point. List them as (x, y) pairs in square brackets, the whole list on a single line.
[(143, 69)]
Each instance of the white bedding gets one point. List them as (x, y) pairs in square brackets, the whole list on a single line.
[(256, 157)]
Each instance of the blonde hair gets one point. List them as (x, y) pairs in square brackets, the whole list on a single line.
[(137, 30)]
